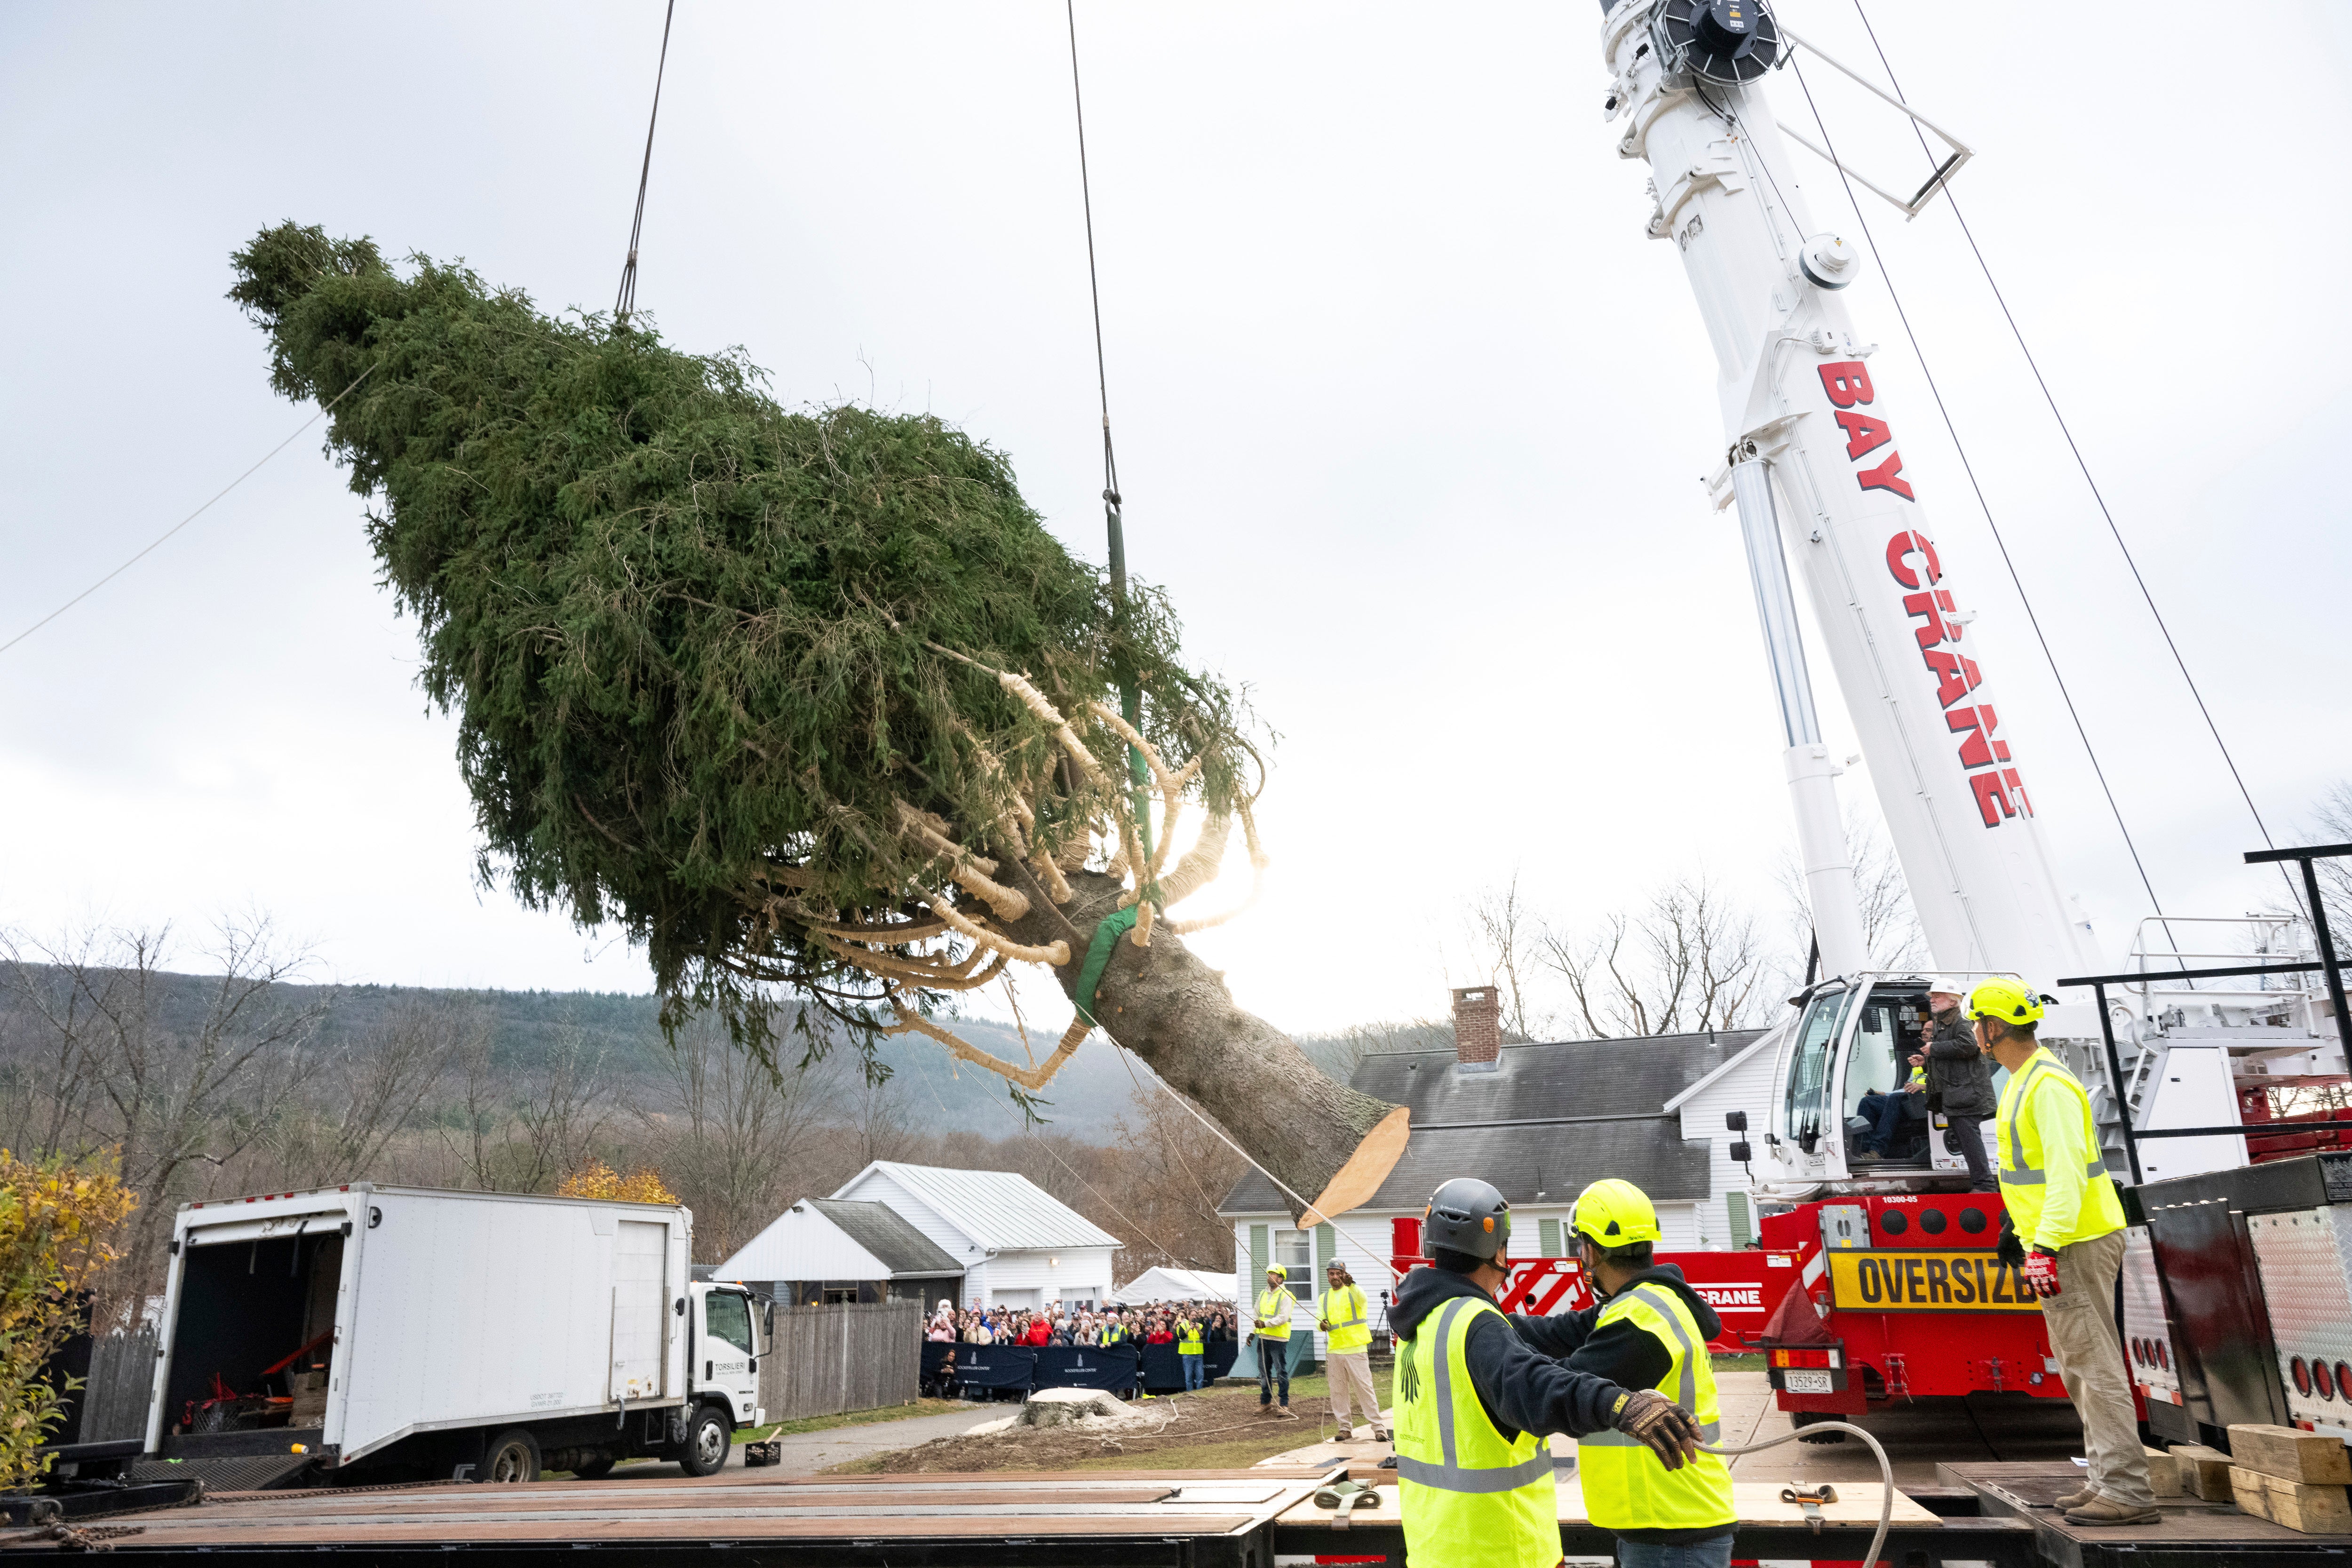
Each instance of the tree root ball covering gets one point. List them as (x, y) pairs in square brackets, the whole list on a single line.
[(808, 702)]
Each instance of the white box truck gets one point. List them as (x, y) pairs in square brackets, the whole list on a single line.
[(382, 1332)]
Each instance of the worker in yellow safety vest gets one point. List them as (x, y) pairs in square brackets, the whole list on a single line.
[(1646, 1329), (1347, 1323), (2063, 1231), (1271, 1329), (1191, 1353), (1475, 1400)]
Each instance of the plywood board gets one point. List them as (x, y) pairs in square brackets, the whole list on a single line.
[(1366, 1169)]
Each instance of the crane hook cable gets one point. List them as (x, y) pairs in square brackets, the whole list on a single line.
[(2082, 464), (2017, 582), (192, 517), (627, 299)]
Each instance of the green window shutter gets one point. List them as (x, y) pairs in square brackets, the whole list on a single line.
[(1735, 1205), (1261, 1249), (1547, 1237), (1327, 1247)]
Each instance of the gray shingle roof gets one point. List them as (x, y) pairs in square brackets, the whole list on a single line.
[(898, 1246), (1512, 1126)]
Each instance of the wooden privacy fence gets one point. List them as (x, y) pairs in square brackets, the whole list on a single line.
[(826, 1360), (117, 1373)]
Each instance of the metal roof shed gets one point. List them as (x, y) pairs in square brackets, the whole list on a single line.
[(1019, 1245)]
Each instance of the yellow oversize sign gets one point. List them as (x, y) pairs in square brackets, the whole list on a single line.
[(1927, 1282)]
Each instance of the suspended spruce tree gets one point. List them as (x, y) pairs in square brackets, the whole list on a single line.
[(810, 704)]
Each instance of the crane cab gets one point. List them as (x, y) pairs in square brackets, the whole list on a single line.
[(1854, 1034)]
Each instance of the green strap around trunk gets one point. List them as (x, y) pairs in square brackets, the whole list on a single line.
[(1099, 959)]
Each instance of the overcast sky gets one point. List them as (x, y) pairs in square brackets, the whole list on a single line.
[(1410, 419)]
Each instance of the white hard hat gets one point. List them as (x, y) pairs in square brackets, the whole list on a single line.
[(1944, 985)]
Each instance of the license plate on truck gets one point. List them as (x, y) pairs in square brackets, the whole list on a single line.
[(1807, 1382)]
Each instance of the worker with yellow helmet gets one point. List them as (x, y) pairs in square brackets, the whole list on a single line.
[(2063, 1231), (1476, 1401), (1272, 1331), (1646, 1329)]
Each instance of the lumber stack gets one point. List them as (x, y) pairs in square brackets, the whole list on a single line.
[(2291, 1477)]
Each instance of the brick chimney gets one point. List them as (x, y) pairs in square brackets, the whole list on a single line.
[(1477, 1028)]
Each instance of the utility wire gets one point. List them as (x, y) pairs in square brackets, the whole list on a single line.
[(2082, 463), (192, 517), (2017, 582), (627, 300)]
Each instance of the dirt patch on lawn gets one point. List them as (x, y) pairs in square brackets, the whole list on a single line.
[(1227, 1421)]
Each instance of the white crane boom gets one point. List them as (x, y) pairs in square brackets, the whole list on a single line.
[(1812, 457)]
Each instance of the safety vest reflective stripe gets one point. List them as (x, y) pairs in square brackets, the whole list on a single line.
[(1273, 1314), (1632, 1490), (1348, 1333), (1188, 1341), (1447, 1473), (2023, 1171)]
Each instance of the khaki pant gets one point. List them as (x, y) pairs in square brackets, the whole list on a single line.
[(2081, 1322), (1351, 1387)]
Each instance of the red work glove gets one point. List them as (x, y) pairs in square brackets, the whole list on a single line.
[(2042, 1272)]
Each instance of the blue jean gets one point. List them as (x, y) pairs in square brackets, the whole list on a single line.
[(1886, 1113), (1273, 1366), (1714, 1552), (1195, 1371)]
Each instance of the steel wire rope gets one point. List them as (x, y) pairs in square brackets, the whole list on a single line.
[(2000, 543), (325, 410), (2082, 464), (627, 299), (1886, 1471)]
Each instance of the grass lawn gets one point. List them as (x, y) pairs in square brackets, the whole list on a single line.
[(856, 1419), (1745, 1362)]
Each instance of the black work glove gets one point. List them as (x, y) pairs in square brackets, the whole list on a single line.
[(1670, 1432), (2011, 1249)]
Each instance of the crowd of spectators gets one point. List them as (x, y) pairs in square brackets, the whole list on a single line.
[(1154, 1323)]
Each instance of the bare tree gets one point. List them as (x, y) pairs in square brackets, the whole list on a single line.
[(1505, 936), (1890, 925), (171, 1089), (730, 1137), (569, 1103), (2333, 817), (1688, 960), (370, 1086)]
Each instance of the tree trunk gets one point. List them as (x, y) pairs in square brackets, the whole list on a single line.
[(1172, 1009)]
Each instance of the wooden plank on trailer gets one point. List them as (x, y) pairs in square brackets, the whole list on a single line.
[(2204, 1472), (1757, 1502), (2294, 1455)]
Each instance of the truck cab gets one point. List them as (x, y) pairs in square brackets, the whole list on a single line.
[(1854, 1034), (730, 1329)]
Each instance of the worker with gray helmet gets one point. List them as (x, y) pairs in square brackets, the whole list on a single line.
[(1473, 1403)]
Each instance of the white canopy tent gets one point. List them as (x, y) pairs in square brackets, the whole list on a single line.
[(1174, 1285)]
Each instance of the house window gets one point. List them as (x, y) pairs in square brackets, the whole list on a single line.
[(1295, 1251)]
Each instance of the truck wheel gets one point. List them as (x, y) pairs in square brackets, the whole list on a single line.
[(708, 1437), (510, 1458), (1800, 1419)]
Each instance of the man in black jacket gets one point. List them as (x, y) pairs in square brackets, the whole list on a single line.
[(1960, 1078)]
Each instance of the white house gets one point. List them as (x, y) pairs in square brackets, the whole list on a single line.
[(1540, 1121), (827, 1250), (1017, 1244)]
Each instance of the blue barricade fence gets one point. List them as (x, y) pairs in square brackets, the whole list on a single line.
[(1112, 1367)]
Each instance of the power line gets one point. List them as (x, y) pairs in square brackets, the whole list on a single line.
[(1984, 505), (2080, 461), (192, 517), (627, 300)]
